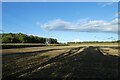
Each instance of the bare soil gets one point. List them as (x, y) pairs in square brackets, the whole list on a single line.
[(66, 62)]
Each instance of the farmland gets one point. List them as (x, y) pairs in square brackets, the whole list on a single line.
[(73, 61), (66, 40)]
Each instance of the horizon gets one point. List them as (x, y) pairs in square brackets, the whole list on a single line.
[(61, 42), (66, 22)]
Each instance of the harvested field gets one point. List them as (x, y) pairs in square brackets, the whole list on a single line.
[(61, 62)]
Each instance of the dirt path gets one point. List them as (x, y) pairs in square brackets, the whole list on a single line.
[(73, 62)]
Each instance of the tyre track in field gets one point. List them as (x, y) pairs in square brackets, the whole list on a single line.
[(19, 57), (54, 59), (27, 68), (72, 51), (27, 60), (80, 62), (89, 62)]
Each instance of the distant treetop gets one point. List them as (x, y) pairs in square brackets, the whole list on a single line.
[(23, 38)]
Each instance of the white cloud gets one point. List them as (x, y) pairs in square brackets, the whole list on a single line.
[(87, 26), (117, 14), (75, 40), (107, 4), (57, 24), (104, 4)]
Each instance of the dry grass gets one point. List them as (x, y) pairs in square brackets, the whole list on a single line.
[(33, 49), (110, 51), (61, 62)]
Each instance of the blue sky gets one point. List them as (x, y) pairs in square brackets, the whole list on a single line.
[(65, 21)]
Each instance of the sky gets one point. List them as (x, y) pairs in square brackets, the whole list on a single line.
[(64, 21), (60, 0)]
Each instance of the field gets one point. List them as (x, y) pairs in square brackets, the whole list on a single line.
[(74, 61), (23, 45)]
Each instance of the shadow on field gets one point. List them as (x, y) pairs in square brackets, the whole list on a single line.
[(28, 53), (89, 63), (9, 58)]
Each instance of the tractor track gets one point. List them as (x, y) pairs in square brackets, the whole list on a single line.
[(78, 62)]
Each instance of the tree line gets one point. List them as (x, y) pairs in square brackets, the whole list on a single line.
[(23, 38), (118, 41)]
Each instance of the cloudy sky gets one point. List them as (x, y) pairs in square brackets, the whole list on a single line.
[(65, 21)]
